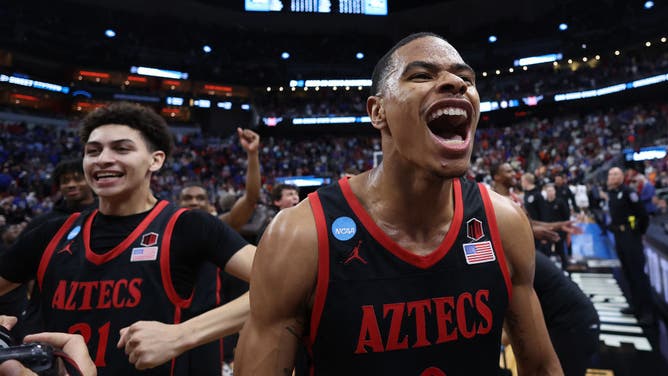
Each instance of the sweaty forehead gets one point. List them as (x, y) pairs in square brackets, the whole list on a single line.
[(429, 49)]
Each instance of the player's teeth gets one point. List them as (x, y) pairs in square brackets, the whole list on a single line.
[(450, 111)]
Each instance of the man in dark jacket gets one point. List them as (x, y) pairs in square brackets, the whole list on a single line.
[(75, 193), (629, 221), (76, 196)]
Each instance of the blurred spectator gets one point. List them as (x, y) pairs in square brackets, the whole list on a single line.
[(14, 302), (646, 191), (557, 210)]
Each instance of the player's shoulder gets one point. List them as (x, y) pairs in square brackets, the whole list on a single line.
[(503, 204), (290, 239), (197, 219), (294, 223), (508, 213), (49, 225), (291, 233)]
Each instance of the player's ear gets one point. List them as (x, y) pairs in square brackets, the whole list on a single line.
[(157, 160), (376, 111)]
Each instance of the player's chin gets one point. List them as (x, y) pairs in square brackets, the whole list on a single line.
[(452, 169)]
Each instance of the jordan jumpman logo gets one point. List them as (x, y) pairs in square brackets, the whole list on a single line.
[(66, 248), (355, 254)]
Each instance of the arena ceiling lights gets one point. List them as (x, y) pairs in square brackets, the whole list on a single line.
[(27, 82), (157, 72), (547, 58), (611, 89)]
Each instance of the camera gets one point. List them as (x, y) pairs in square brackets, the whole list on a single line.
[(38, 357)]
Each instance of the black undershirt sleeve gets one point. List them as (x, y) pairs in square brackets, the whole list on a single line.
[(200, 237), (20, 261)]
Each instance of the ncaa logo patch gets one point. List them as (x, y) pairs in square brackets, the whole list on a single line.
[(344, 228), (73, 233)]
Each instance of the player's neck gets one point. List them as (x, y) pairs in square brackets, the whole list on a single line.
[(80, 204), (135, 204), (408, 202)]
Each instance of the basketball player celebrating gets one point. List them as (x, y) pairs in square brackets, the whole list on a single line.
[(406, 269), (101, 272)]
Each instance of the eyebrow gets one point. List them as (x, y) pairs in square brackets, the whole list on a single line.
[(457, 67), (115, 142)]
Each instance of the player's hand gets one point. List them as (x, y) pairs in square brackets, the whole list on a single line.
[(149, 344), (541, 232), (8, 321), (71, 344), (568, 227), (250, 140), (14, 368)]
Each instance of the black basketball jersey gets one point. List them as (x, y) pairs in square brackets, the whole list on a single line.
[(381, 310), (96, 295)]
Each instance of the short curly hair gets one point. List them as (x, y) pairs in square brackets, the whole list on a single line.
[(152, 127), (67, 166)]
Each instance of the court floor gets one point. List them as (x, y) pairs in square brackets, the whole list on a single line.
[(626, 347)]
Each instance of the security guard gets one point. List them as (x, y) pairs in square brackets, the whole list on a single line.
[(629, 221), (534, 203)]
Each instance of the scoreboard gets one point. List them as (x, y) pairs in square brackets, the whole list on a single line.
[(366, 7)]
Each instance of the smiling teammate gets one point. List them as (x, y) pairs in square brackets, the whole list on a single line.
[(121, 275)]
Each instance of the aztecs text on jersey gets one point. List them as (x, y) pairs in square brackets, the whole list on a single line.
[(96, 295), (381, 309)]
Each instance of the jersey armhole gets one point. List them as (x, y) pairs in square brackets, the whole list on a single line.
[(165, 264), (51, 247), (496, 238)]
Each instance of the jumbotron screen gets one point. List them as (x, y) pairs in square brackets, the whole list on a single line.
[(366, 7)]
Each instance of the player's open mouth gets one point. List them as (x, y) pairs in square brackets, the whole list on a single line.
[(107, 175), (449, 121)]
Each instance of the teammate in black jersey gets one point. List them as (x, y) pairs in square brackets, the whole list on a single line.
[(119, 274), (405, 270), (214, 286)]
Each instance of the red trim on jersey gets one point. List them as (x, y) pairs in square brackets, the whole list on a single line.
[(221, 346), (323, 266), (496, 238), (381, 237), (51, 247), (219, 287), (99, 259), (165, 268)]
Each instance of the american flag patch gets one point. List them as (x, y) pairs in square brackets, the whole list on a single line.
[(144, 254), (480, 252)]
